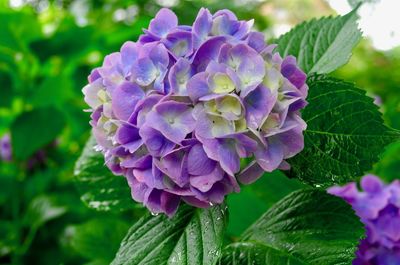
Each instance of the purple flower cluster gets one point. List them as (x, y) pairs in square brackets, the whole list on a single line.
[(378, 206), (176, 111), (5, 148)]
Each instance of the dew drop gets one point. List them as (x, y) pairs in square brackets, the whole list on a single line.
[(97, 148), (154, 214)]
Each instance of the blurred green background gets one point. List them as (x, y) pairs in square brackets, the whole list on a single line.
[(47, 49)]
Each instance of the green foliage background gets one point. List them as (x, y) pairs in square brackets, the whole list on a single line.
[(47, 49)]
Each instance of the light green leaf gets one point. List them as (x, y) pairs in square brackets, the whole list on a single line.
[(34, 130), (308, 227), (322, 45), (53, 91), (100, 189), (41, 210), (345, 134), (388, 167), (193, 236)]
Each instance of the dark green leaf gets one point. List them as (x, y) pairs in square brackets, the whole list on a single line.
[(306, 227), (256, 253), (322, 45), (6, 92), (34, 130), (193, 236), (100, 189), (261, 195), (98, 239), (8, 237), (345, 134)]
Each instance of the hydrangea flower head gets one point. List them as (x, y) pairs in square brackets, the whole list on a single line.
[(176, 111), (378, 206)]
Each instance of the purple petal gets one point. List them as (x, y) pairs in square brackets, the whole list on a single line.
[(251, 173), (94, 75), (205, 182), (371, 184), (138, 189), (201, 27), (348, 192), (174, 165), (229, 158), (91, 92), (256, 40), (245, 145), (156, 143), (142, 108), (223, 25), (164, 21), (292, 141), (129, 54), (247, 63), (179, 43), (195, 202), (198, 161), (225, 12), (148, 37), (112, 71), (215, 194), (144, 72), (269, 157), (197, 86), (179, 76), (291, 71), (158, 55), (207, 52), (173, 119), (128, 136), (169, 203), (124, 99), (258, 104)]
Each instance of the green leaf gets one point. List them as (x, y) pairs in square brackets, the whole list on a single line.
[(308, 227), (388, 167), (8, 237), (261, 195), (345, 134), (97, 239), (53, 91), (193, 236), (322, 45), (6, 93), (100, 189), (34, 130), (41, 210), (355, 3)]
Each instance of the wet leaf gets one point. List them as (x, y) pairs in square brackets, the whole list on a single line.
[(193, 236)]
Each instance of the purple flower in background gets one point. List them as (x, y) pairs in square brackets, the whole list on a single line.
[(5, 148), (36, 160), (176, 111), (378, 206)]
